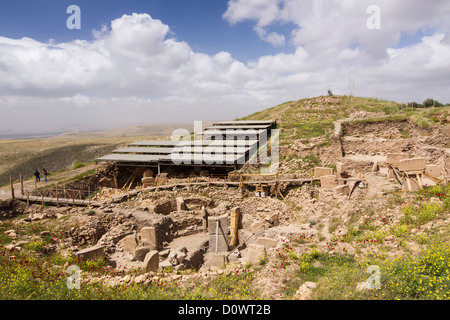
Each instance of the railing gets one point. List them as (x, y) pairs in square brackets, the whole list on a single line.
[(59, 196)]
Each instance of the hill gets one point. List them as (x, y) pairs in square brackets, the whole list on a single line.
[(63, 151), (301, 239)]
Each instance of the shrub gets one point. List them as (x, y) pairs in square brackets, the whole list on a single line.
[(415, 105), (429, 103), (78, 165), (400, 231), (35, 245)]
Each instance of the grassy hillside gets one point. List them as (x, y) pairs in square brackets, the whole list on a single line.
[(54, 154), (65, 150), (312, 117)]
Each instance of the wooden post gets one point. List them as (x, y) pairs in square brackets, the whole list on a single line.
[(89, 196), (57, 199), (234, 225), (12, 186), (42, 199), (116, 182), (21, 184), (28, 198)]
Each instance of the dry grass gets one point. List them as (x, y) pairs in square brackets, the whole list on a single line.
[(55, 154)]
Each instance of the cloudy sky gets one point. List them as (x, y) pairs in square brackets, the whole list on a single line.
[(152, 61)]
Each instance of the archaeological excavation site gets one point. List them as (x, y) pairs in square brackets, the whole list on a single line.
[(287, 198)]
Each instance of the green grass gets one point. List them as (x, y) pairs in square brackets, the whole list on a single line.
[(78, 165)]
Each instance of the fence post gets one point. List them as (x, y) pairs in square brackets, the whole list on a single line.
[(12, 186), (21, 184)]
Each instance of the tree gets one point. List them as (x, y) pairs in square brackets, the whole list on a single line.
[(330, 94), (414, 105), (429, 103)]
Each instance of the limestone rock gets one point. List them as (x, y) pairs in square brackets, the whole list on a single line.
[(151, 261)]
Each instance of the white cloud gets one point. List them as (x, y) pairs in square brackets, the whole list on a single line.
[(134, 72)]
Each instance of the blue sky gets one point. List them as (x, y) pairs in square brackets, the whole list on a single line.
[(197, 22), (160, 61)]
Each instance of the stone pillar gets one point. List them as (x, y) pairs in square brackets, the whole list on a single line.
[(204, 215), (130, 244), (151, 261), (219, 234), (328, 181), (180, 204), (148, 237), (235, 212), (340, 169)]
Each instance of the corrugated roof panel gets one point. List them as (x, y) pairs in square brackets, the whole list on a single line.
[(244, 122), (238, 127), (182, 158), (204, 142), (134, 158), (185, 149)]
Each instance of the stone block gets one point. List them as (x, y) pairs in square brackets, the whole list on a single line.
[(180, 204), (148, 237), (413, 164), (394, 158), (165, 264), (322, 171), (268, 243), (92, 252), (212, 224), (151, 261), (148, 205), (328, 182), (413, 185), (148, 182), (255, 253), (221, 239), (140, 252), (342, 190), (130, 244), (148, 173), (434, 170), (216, 260), (222, 243), (257, 227), (375, 167), (340, 168)]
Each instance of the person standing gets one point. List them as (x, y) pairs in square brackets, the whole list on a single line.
[(37, 175), (45, 175)]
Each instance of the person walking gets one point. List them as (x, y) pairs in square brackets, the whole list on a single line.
[(45, 175), (37, 175)]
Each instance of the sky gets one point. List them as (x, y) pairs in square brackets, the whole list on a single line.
[(139, 62)]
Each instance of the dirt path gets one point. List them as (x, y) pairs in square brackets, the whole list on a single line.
[(53, 178)]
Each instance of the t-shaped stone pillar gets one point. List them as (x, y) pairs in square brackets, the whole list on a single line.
[(218, 230)]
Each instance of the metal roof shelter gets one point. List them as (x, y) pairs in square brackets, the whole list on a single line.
[(271, 124), (225, 144)]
